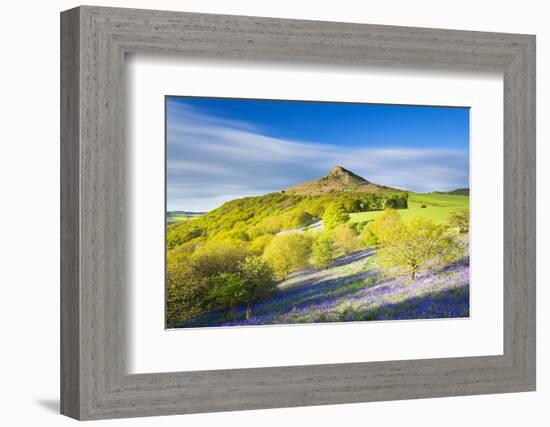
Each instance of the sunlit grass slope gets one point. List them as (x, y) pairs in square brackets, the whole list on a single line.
[(438, 207), (176, 217)]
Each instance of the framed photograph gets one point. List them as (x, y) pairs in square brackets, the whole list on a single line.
[(262, 213), (251, 239)]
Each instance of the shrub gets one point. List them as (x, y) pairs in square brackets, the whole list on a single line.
[(190, 277), (236, 235), (346, 239), (397, 201), (218, 257), (258, 281), (411, 247), (460, 219), (423, 206), (226, 292), (296, 218), (257, 246), (288, 252), (181, 253), (358, 226), (185, 293), (181, 233), (380, 228), (335, 215), (322, 250), (272, 224), (368, 236), (255, 232)]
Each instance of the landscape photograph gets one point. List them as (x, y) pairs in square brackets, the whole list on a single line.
[(295, 212)]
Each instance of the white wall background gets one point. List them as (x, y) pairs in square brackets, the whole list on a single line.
[(29, 225)]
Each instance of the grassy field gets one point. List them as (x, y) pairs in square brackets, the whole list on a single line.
[(438, 207), (177, 217)]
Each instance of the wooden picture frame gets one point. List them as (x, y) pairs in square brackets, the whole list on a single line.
[(94, 382)]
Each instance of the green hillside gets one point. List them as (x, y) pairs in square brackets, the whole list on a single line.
[(247, 248), (455, 192), (244, 220), (173, 217), (437, 208)]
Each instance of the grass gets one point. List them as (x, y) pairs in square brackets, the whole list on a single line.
[(177, 217), (351, 289), (438, 207)]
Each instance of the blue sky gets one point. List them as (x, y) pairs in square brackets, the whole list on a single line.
[(222, 149)]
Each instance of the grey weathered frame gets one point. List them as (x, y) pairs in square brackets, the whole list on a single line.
[(94, 41)]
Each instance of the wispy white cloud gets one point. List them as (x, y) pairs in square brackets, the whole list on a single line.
[(213, 160)]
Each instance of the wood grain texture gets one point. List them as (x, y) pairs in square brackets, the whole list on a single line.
[(70, 314), (94, 238)]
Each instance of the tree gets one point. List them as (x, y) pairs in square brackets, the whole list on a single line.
[(288, 252), (460, 219), (258, 281), (380, 228), (218, 257), (397, 201), (368, 236), (297, 218), (335, 214), (322, 250), (236, 235), (180, 254), (411, 247), (185, 293), (345, 238), (257, 246), (272, 224), (226, 292)]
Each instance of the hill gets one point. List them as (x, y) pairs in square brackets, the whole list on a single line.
[(338, 179), (173, 217), (456, 192), (434, 206), (289, 234), (247, 218)]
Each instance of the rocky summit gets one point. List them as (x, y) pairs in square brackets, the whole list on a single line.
[(339, 179)]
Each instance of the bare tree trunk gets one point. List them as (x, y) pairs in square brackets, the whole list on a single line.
[(248, 313)]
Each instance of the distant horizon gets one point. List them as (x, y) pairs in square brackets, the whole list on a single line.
[(224, 149)]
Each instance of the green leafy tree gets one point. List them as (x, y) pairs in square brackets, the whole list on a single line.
[(272, 224), (185, 293), (334, 215), (380, 228), (397, 200), (227, 291), (288, 252), (218, 257), (322, 250), (189, 277), (297, 219), (258, 281), (257, 246), (368, 236), (412, 246), (236, 236), (460, 219), (255, 231), (346, 239), (315, 206)]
